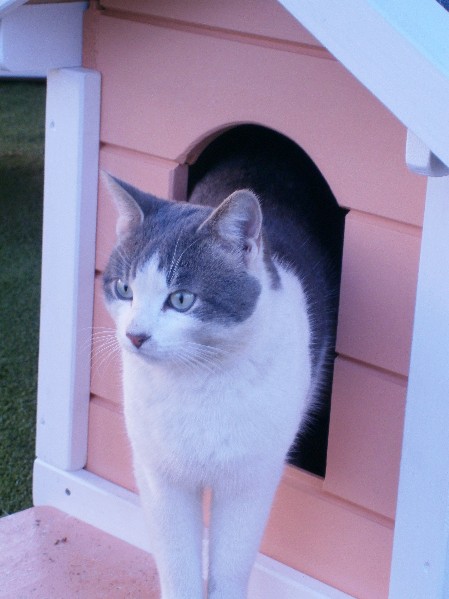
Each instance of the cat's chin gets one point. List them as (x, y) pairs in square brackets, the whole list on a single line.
[(150, 357), (144, 354)]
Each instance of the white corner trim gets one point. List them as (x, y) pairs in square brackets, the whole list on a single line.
[(420, 564), (38, 37), (68, 265), (117, 511), (421, 160), (272, 580), (91, 499)]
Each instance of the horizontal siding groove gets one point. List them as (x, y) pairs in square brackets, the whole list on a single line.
[(307, 483), (221, 33), (386, 222), (106, 404), (394, 377), (136, 154)]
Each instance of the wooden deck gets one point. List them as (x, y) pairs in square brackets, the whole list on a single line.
[(46, 554)]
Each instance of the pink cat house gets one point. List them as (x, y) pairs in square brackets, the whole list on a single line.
[(363, 88)]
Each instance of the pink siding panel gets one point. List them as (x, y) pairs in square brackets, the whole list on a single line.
[(380, 269), (365, 437), (187, 86), (329, 539), (109, 452), (47, 554)]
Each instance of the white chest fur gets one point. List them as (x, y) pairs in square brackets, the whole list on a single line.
[(246, 411)]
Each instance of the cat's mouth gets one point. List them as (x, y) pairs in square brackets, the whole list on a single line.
[(144, 348), (188, 355)]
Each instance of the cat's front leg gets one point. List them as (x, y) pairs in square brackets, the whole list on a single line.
[(175, 521), (237, 523)]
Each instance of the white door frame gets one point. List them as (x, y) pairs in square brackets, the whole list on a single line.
[(420, 563)]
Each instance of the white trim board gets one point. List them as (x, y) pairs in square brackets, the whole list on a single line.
[(116, 511), (420, 564), (68, 265), (38, 37), (398, 50)]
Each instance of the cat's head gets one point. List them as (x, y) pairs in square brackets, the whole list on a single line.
[(183, 281)]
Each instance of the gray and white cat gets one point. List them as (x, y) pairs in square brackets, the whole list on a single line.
[(226, 322)]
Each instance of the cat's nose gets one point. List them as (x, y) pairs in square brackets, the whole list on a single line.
[(137, 340)]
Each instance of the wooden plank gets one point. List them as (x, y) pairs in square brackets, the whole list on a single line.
[(365, 436), (328, 538), (70, 193), (161, 177), (109, 452), (378, 288), (186, 87)]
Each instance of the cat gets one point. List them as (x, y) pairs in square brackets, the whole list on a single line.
[(225, 310)]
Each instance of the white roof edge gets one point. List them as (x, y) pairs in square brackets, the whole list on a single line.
[(7, 6), (398, 50)]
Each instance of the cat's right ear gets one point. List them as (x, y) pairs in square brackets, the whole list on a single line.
[(130, 214)]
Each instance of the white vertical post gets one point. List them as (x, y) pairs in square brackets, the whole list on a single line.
[(68, 265), (421, 539)]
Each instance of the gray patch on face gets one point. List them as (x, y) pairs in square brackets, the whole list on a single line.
[(194, 261), (200, 263)]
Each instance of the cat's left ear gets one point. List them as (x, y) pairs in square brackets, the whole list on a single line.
[(130, 213), (238, 220)]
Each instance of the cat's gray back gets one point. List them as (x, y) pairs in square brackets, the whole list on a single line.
[(302, 221), (303, 226)]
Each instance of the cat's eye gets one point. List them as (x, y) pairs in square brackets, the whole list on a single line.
[(181, 300), (123, 290)]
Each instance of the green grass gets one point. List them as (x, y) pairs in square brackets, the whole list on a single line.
[(22, 113)]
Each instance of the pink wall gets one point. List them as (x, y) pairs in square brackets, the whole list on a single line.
[(173, 75)]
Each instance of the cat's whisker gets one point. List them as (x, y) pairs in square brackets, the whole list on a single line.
[(200, 361), (175, 268), (105, 347), (205, 358), (186, 358), (104, 355), (103, 343), (124, 259), (213, 350), (201, 365), (194, 364), (210, 352), (172, 264), (101, 338)]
